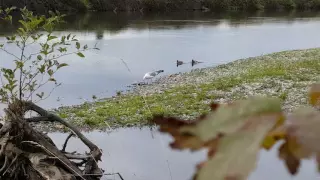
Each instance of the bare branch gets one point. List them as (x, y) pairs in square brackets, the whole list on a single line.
[(53, 117), (21, 69), (48, 94), (66, 142), (10, 53), (77, 156), (108, 174), (37, 119)]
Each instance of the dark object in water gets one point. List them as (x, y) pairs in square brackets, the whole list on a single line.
[(179, 63), (194, 62)]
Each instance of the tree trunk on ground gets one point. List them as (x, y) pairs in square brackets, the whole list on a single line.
[(26, 153)]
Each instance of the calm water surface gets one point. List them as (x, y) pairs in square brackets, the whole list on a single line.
[(144, 154), (152, 42)]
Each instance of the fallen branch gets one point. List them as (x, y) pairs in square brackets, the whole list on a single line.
[(29, 154), (54, 118), (66, 142)]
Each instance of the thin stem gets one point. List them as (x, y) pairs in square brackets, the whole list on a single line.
[(66, 54), (10, 53), (21, 70), (48, 94), (66, 142)]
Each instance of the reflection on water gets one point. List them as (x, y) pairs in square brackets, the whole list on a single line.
[(152, 42), (142, 154)]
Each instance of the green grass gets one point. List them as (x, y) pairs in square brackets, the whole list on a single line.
[(189, 100)]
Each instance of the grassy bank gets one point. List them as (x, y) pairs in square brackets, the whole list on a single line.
[(164, 5), (284, 74)]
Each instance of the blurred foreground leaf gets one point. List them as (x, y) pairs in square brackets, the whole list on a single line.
[(233, 133)]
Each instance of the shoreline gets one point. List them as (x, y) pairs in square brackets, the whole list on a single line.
[(144, 6), (285, 74)]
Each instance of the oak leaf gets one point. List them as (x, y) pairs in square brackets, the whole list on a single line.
[(233, 134)]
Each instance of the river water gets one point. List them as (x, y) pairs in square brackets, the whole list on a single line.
[(152, 42), (144, 154)]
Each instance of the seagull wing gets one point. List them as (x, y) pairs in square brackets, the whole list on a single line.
[(153, 73)]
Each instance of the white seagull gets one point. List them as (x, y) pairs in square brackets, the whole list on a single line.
[(150, 75)]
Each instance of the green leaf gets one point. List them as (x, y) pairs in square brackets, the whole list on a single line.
[(8, 18), (77, 45), (42, 68), (50, 72), (51, 37), (80, 54), (33, 36), (62, 65), (19, 64), (61, 49), (22, 31), (68, 37), (40, 95), (39, 57)]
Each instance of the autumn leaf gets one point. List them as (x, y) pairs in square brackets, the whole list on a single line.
[(276, 134), (286, 153), (172, 125), (233, 134), (229, 118), (314, 94), (302, 137), (236, 154), (304, 125)]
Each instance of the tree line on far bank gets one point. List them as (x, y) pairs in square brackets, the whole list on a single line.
[(162, 5)]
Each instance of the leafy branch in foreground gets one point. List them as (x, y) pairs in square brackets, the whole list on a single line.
[(25, 152), (37, 62), (235, 132)]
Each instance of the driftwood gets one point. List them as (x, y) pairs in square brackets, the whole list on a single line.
[(26, 153)]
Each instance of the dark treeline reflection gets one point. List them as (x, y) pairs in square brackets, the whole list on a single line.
[(100, 22)]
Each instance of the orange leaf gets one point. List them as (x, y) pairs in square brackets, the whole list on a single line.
[(314, 94), (292, 162), (227, 130), (304, 127), (276, 134), (236, 154)]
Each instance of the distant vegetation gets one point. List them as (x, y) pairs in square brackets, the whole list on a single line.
[(213, 5), (44, 5), (164, 5)]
